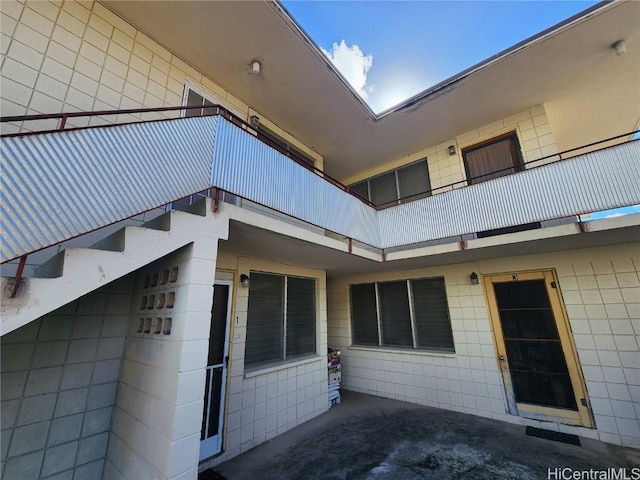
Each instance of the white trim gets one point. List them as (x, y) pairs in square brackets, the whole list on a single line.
[(282, 366), (213, 445), (408, 351), (190, 84)]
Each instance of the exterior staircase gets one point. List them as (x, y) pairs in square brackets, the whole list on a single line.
[(74, 272)]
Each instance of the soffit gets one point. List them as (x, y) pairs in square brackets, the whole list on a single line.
[(255, 242), (301, 92)]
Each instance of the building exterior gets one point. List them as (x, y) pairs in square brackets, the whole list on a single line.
[(172, 278)]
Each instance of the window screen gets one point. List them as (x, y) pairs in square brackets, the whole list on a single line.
[(383, 188), (433, 326), (361, 189), (278, 140), (364, 315), (410, 182), (301, 316), (425, 326), (265, 319), (281, 318), (413, 180), (395, 315), (194, 98)]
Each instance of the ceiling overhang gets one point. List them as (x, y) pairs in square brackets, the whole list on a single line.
[(252, 241), (570, 68)]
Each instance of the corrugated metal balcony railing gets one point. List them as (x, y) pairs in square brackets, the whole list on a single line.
[(58, 185)]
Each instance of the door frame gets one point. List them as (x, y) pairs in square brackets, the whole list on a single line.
[(583, 416), (213, 445)]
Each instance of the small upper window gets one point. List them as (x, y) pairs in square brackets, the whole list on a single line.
[(492, 159), (194, 98), (405, 184), (283, 144)]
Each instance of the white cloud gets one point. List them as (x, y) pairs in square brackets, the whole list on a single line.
[(614, 215), (353, 65)]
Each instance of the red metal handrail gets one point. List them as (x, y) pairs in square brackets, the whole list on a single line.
[(220, 110), (465, 182), (225, 113)]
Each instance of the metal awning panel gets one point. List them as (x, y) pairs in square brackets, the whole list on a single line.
[(56, 186)]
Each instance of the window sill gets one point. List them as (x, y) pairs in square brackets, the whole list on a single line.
[(256, 371), (406, 351)]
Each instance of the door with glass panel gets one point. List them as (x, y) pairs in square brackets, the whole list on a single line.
[(536, 355), (216, 373)]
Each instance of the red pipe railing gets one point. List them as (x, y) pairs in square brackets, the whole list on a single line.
[(466, 181), (265, 138), (219, 110)]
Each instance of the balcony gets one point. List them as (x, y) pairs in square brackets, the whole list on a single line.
[(62, 184)]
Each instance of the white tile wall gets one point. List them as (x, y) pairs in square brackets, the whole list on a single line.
[(602, 297), (77, 55), (534, 135), (263, 404), (157, 419), (59, 380)]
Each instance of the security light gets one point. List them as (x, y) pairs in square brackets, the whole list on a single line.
[(619, 47)]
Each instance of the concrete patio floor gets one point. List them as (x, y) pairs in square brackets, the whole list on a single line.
[(373, 438)]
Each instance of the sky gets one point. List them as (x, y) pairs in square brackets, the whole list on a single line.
[(391, 50)]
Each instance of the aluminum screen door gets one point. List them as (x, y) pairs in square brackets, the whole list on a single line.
[(216, 373)]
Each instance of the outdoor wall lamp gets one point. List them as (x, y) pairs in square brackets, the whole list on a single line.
[(254, 121), (452, 150), (619, 47), (244, 280), (473, 278)]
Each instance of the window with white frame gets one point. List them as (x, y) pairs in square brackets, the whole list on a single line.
[(405, 184), (281, 318), (194, 94), (194, 98), (405, 314)]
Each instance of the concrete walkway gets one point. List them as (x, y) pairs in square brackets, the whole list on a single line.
[(373, 438)]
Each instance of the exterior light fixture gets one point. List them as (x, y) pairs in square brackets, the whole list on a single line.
[(619, 47), (244, 280), (256, 67), (452, 150), (473, 278), (254, 121)]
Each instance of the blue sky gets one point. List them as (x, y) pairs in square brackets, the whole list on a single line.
[(391, 50)]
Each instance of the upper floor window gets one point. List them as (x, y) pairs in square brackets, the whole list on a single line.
[(281, 318), (405, 184), (406, 313), (194, 98), (492, 159), (283, 144)]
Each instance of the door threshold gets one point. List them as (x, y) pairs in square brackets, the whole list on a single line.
[(555, 436)]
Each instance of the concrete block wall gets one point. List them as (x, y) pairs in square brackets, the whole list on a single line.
[(59, 380), (602, 296), (264, 403), (158, 412), (534, 135), (77, 55)]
